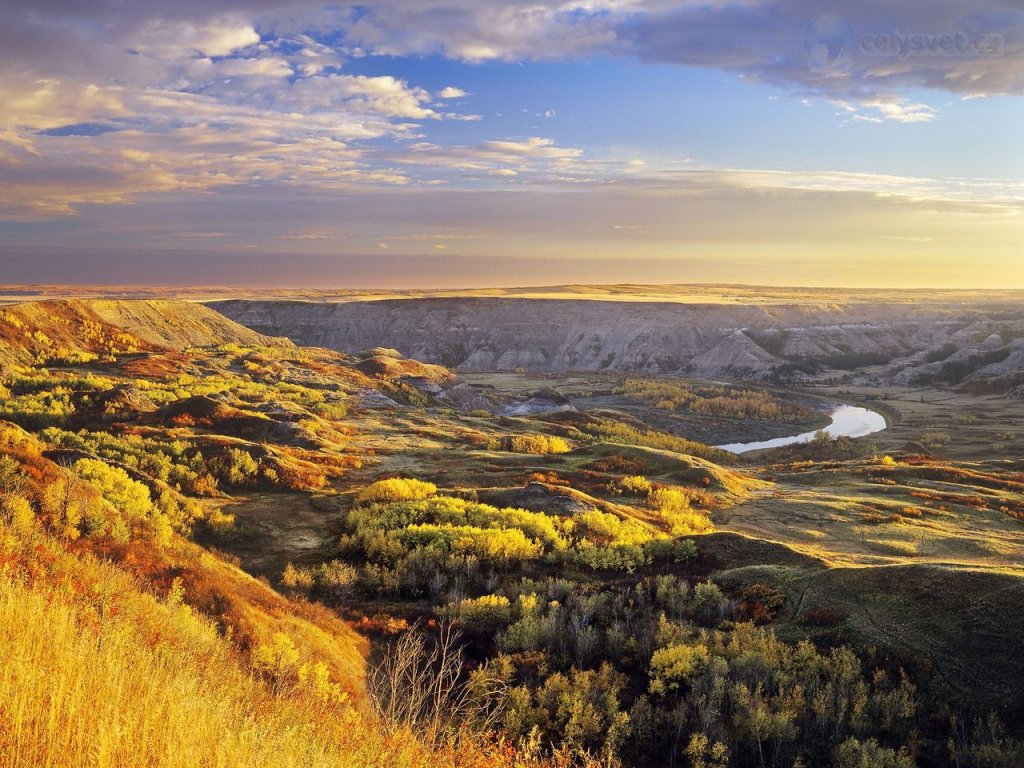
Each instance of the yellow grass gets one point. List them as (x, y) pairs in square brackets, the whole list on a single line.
[(96, 672)]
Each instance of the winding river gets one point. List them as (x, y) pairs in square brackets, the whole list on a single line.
[(847, 421)]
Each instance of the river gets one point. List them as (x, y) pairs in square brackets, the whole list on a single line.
[(847, 421)]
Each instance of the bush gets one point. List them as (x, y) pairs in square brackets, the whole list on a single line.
[(535, 444), (854, 753), (761, 602), (671, 550), (674, 665), (397, 489), (638, 485), (335, 580), (613, 557), (579, 710), (17, 512), (297, 578), (332, 411), (674, 506), (708, 603), (484, 614), (131, 505), (278, 659), (238, 468)]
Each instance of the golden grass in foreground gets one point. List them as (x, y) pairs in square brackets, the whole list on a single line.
[(96, 672), (145, 683)]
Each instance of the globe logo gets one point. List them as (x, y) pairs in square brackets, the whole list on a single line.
[(829, 43)]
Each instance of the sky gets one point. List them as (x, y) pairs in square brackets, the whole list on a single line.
[(450, 143)]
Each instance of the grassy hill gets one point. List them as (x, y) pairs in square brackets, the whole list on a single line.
[(77, 330)]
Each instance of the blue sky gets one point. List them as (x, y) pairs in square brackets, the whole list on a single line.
[(704, 141), (712, 117)]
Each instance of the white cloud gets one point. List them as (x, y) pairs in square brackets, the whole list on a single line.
[(534, 146), (504, 158), (196, 103), (888, 108), (218, 36), (384, 95), (451, 92), (263, 66)]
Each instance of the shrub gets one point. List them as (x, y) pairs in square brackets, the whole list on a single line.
[(485, 614), (12, 477), (934, 440), (579, 710), (397, 489), (335, 580), (278, 659), (674, 506), (690, 522), (854, 753), (495, 545), (671, 550), (332, 411), (708, 603), (16, 511), (536, 444), (638, 485), (822, 617), (131, 505), (669, 500), (761, 602), (674, 665), (613, 557), (713, 400), (604, 525), (297, 578), (238, 468)]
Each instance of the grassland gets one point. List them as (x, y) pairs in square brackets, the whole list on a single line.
[(603, 566)]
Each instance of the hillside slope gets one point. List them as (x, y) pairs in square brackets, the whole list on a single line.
[(43, 331), (177, 324)]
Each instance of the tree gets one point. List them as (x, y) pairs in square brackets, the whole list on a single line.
[(417, 686), (16, 511), (12, 477), (854, 753), (65, 505), (674, 666), (707, 603), (703, 753)]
